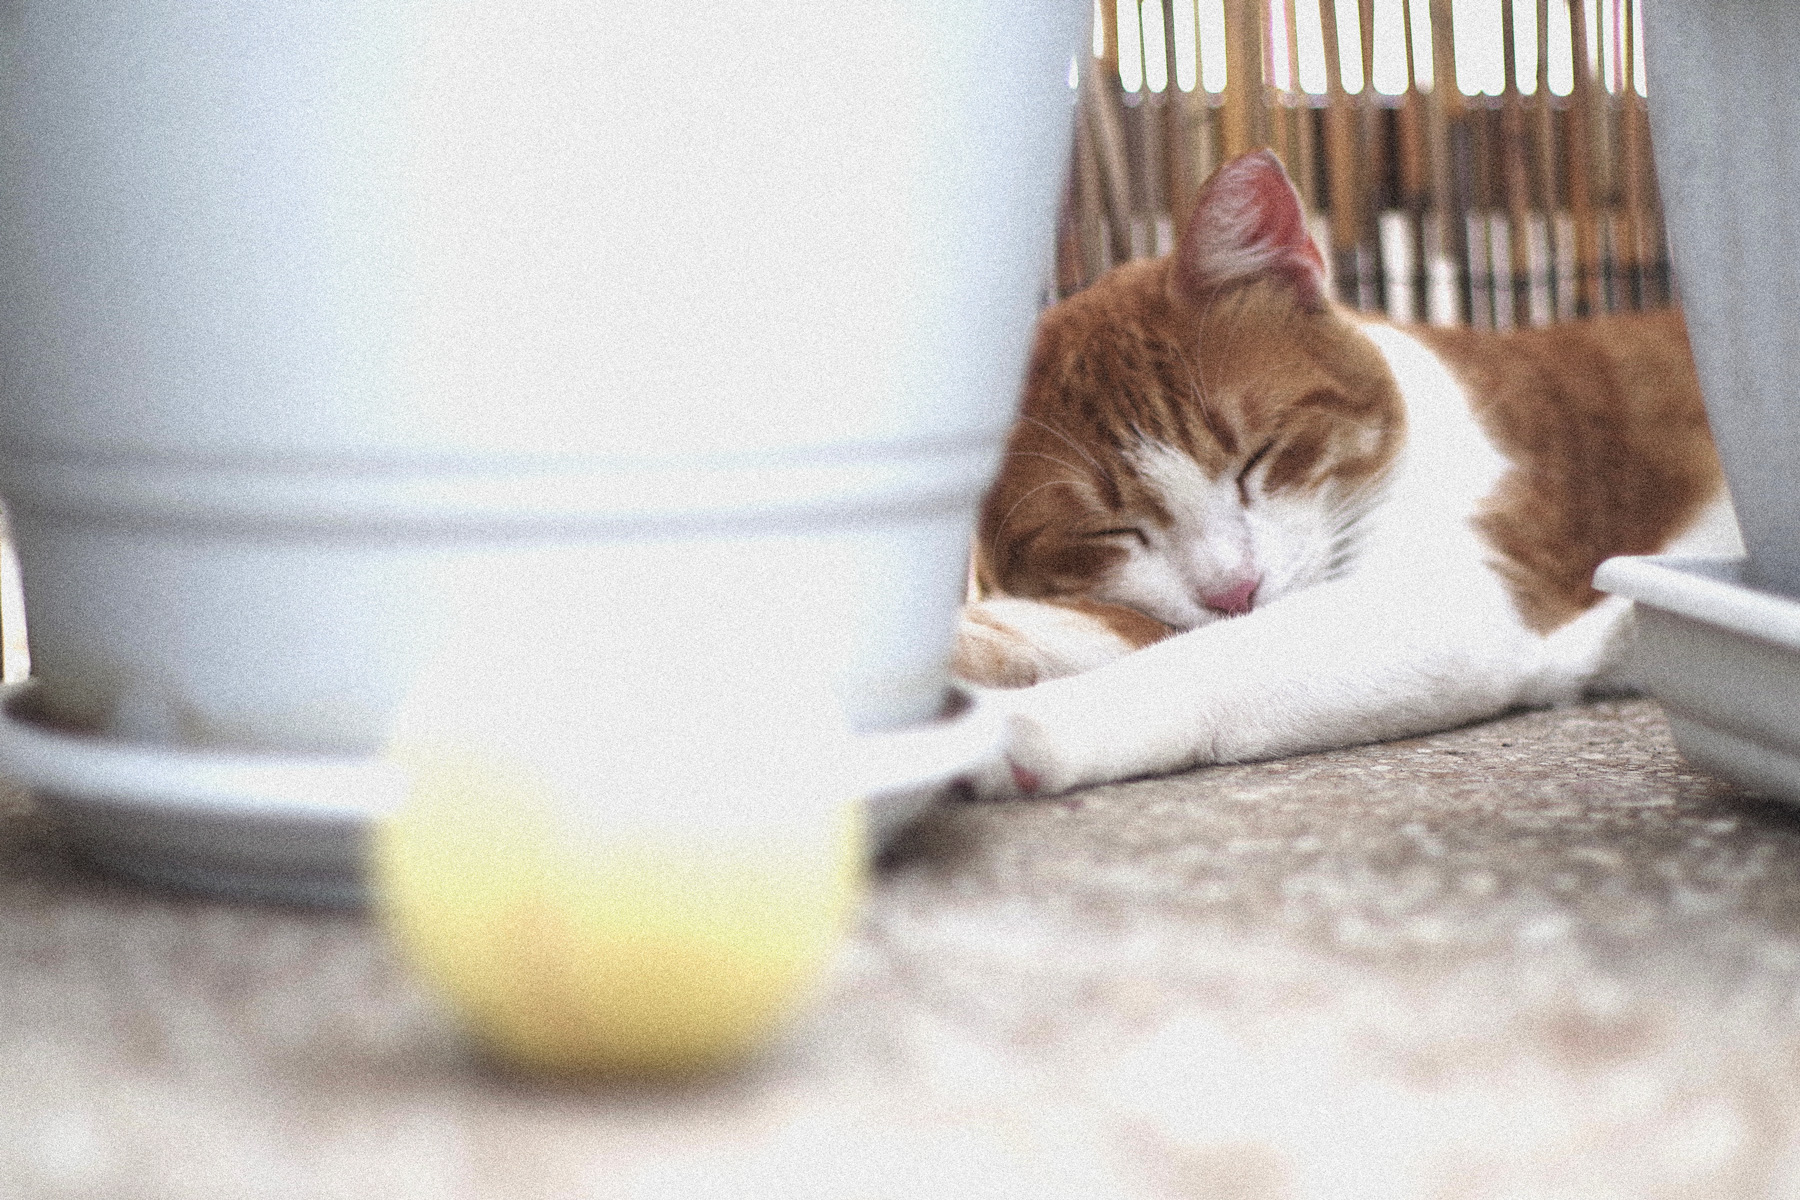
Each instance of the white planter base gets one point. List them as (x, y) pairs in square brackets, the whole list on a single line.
[(285, 828), (1723, 658), (293, 828)]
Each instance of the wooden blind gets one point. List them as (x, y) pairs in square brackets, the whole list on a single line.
[(1518, 193)]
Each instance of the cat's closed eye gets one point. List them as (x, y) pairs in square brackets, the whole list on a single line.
[(1243, 476), (1130, 531)]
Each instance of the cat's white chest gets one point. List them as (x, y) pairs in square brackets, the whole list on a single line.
[(1446, 467)]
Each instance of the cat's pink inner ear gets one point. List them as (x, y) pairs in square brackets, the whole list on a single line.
[(1248, 224)]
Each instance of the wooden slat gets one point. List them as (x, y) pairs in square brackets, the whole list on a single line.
[(1109, 38), (1602, 149), (1302, 116), (1633, 167), (1661, 286), (1578, 170), (1344, 183), (1089, 206), (1443, 111), (1374, 145), (1178, 152), (1414, 173), (1514, 293), (1240, 130), (1180, 113), (1544, 191), (1477, 192), (1283, 126), (1101, 110), (1149, 198)]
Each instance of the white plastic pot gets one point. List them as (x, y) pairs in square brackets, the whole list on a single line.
[(1718, 641), (620, 373), (1724, 113)]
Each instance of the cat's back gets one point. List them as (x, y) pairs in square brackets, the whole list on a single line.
[(1616, 372), (1603, 427)]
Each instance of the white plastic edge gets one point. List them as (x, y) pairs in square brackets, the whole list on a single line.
[(900, 479), (1704, 589), (321, 786), (332, 787)]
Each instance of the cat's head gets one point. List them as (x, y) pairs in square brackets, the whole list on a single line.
[(1200, 434)]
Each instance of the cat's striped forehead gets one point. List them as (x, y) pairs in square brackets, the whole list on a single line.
[(1132, 362), (1129, 373)]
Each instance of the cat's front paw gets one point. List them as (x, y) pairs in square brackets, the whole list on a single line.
[(1006, 642), (1145, 714), (1037, 755)]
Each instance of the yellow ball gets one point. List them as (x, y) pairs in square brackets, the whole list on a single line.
[(570, 950)]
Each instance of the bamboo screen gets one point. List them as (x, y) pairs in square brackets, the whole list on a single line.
[(1477, 161)]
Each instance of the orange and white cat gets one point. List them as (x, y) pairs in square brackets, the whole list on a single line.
[(1236, 521)]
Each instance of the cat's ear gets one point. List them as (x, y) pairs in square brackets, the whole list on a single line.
[(1248, 224)]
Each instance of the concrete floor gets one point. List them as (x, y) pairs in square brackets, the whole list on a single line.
[(1534, 958)]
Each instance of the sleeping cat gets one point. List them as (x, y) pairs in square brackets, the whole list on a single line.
[(1236, 521)]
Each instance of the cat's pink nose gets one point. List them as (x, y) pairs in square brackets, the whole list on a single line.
[(1234, 600)]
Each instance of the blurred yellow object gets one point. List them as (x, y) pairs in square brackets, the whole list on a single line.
[(570, 949)]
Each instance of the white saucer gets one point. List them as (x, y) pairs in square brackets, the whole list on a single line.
[(285, 828), (293, 828), (1723, 657)]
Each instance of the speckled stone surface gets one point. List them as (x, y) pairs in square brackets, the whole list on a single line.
[(1534, 958)]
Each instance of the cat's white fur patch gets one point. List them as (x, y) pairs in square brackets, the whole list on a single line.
[(1207, 541), (1447, 466), (1214, 540)]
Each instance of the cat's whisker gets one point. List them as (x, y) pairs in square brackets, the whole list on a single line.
[(1006, 518), (1072, 443), (1196, 379), (1061, 462), (1364, 496), (1350, 512)]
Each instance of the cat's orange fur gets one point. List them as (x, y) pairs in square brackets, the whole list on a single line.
[(1236, 520), (1603, 423), (994, 653)]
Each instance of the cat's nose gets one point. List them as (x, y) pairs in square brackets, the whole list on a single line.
[(1234, 599)]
